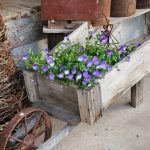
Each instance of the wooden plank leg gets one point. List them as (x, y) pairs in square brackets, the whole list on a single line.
[(90, 104), (137, 94)]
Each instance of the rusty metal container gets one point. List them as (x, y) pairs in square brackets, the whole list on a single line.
[(141, 4), (123, 8), (76, 10)]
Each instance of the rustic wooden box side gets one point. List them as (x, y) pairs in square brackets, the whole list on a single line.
[(117, 82)]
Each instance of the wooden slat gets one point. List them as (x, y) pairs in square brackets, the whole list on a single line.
[(117, 82), (17, 9), (31, 85), (90, 105), (57, 94), (58, 112), (137, 94)]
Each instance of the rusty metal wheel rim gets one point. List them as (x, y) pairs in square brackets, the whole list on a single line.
[(25, 143)]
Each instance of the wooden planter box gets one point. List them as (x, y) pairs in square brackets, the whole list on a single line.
[(71, 104)]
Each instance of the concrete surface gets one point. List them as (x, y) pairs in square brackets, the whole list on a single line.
[(121, 128)]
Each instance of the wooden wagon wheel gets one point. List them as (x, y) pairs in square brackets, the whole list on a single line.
[(27, 130)]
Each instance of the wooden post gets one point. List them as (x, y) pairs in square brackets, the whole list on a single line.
[(31, 85), (90, 105), (137, 94)]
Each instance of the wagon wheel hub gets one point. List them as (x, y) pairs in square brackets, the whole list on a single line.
[(28, 143)]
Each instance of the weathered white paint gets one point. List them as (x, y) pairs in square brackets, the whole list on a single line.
[(117, 82)]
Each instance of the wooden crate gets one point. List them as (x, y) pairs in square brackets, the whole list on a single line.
[(68, 102)]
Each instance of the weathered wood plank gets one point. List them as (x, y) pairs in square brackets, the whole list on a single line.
[(117, 82), (137, 94), (58, 112), (31, 85), (90, 105), (18, 8), (56, 138), (58, 94)]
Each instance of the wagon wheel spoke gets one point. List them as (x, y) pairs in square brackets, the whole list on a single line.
[(39, 134), (37, 123), (26, 127), (16, 139)]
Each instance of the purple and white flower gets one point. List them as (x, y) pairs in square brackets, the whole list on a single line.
[(90, 63), (81, 48), (51, 76), (66, 39), (97, 74), (78, 77), (66, 72), (128, 59), (70, 77), (110, 53), (81, 58), (109, 68), (25, 57), (35, 66), (103, 65), (49, 59), (122, 49), (45, 68), (52, 64), (61, 75), (74, 71)]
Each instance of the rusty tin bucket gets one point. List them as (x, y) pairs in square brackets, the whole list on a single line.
[(87, 10), (141, 4), (123, 8)]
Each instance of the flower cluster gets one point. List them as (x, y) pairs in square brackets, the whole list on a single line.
[(80, 65)]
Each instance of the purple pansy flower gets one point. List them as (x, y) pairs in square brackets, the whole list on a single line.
[(96, 61), (85, 59), (78, 77), (70, 77), (122, 49), (51, 76), (45, 68), (81, 48), (109, 68), (97, 74), (103, 39), (66, 72), (66, 39), (138, 44), (35, 66), (61, 67), (103, 64), (90, 63), (61, 75), (87, 78), (52, 64), (85, 74), (46, 49), (49, 59), (25, 57), (81, 58), (128, 59), (110, 52), (74, 71)]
